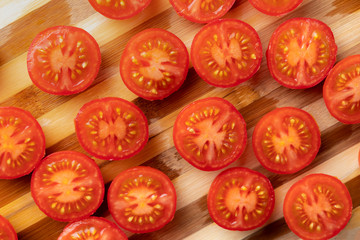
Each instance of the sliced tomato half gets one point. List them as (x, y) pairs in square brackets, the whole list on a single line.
[(154, 64), (111, 128), (317, 207), (63, 60), (342, 90), (301, 53), (142, 199), (92, 228), (7, 231), (275, 7), (119, 9), (226, 52), (286, 140), (22, 142), (210, 133), (240, 199), (202, 11), (67, 186)]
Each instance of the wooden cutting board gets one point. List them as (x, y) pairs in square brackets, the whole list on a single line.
[(21, 20)]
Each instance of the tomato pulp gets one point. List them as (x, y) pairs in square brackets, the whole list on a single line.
[(226, 52), (301, 53), (142, 199), (63, 60), (275, 7), (67, 186), (317, 207), (7, 231), (342, 90)]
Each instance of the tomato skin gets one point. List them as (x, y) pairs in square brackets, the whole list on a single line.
[(229, 65), (59, 162), (45, 65), (180, 133), (22, 125), (181, 8), (294, 211), (7, 231), (247, 177), (105, 105), (336, 90), (275, 120), (305, 80), (275, 9), (103, 228), (120, 14), (180, 69), (165, 197)]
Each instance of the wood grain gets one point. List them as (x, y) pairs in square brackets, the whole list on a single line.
[(21, 20)]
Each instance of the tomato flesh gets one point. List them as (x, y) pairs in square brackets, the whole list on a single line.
[(286, 140), (22, 142), (92, 228), (226, 52), (63, 60), (210, 133), (301, 52), (202, 11), (275, 7), (119, 9), (154, 64), (142, 199), (67, 186), (342, 90), (111, 128), (7, 231), (317, 207), (240, 199)]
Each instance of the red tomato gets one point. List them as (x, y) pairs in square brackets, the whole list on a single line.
[(317, 207), (240, 199), (119, 9), (67, 186), (22, 142), (210, 133), (63, 60), (226, 52), (92, 228), (301, 52), (202, 11), (154, 64), (7, 231), (342, 90), (111, 128), (275, 7), (142, 199), (286, 140)]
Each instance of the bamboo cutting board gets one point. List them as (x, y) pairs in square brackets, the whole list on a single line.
[(21, 20)]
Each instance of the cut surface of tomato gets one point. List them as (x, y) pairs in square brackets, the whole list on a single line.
[(111, 128), (63, 60), (154, 64), (342, 90), (22, 142), (67, 186), (286, 140), (142, 199), (317, 207), (7, 231), (210, 133), (301, 53), (119, 9), (92, 228), (202, 11), (226, 52), (275, 7), (240, 199)]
